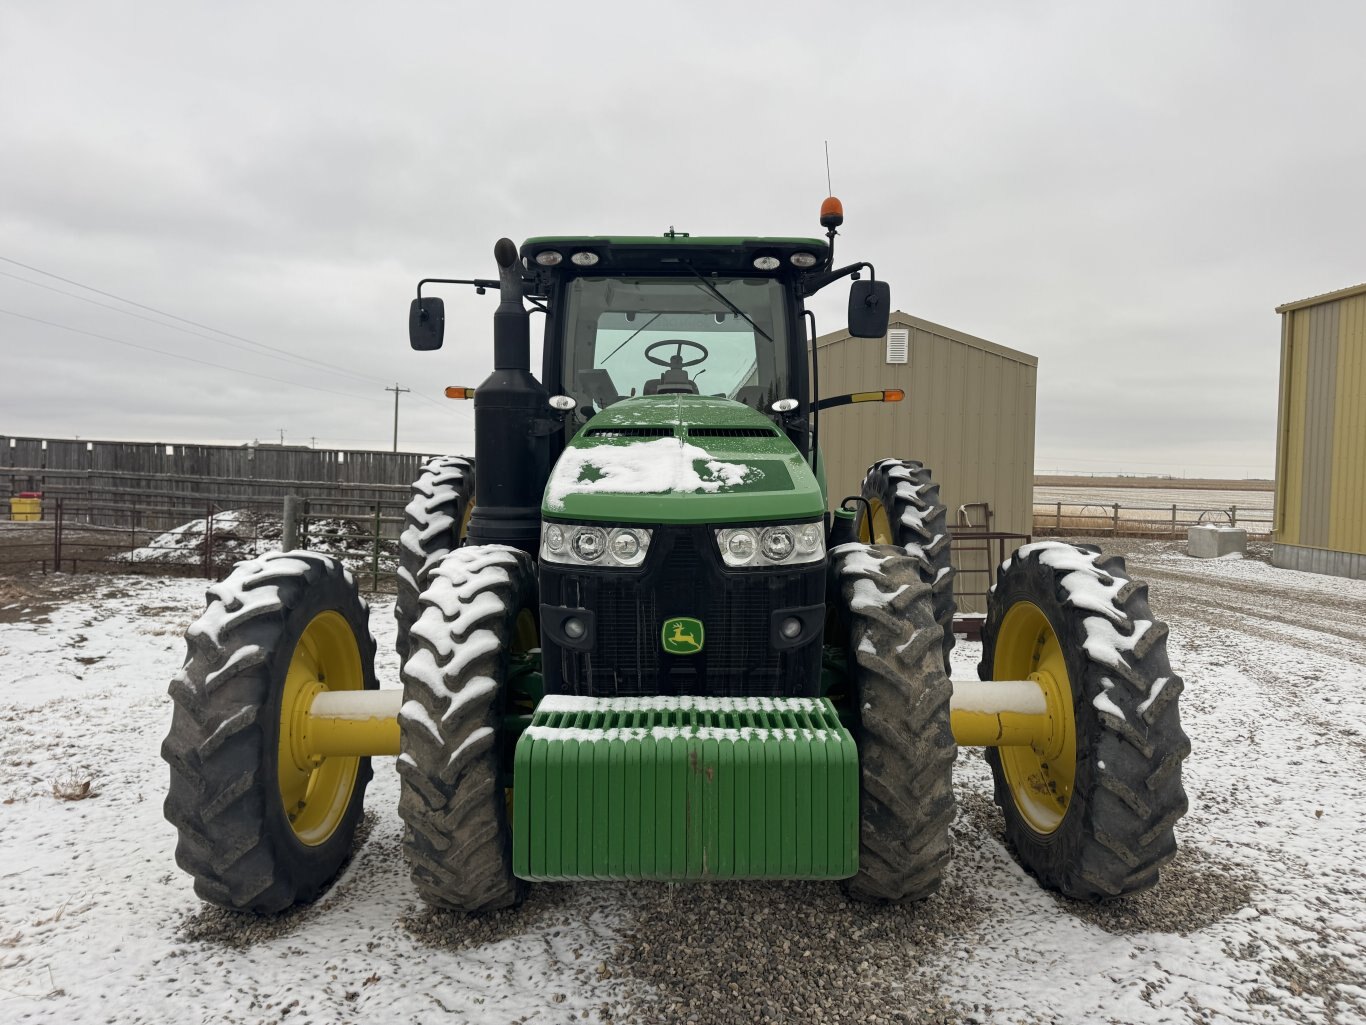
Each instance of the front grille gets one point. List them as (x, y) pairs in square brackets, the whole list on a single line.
[(683, 576), (731, 432), (631, 432)]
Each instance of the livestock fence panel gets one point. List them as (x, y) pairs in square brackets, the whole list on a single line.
[(1064, 519), (86, 529)]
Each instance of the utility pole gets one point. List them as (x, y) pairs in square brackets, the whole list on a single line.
[(282, 434), (313, 441), (396, 389)]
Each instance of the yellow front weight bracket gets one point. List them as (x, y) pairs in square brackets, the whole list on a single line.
[(1010, 713), (349, 723)]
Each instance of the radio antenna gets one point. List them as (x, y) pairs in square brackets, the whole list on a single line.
[(829, 189)]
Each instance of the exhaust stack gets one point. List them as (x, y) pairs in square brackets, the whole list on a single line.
[(512, 459)]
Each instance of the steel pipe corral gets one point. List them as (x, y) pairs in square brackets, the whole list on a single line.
[(353, 723), (1000, 713)]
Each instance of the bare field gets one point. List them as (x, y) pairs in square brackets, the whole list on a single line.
[(1145, 483)]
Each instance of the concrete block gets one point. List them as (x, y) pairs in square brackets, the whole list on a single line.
[(1210, 542)]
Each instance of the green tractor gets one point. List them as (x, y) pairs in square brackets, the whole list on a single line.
[(638, 643)]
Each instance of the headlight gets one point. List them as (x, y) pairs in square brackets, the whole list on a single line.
[(782, 545), (777, 543), (583, 545), (589, 543)]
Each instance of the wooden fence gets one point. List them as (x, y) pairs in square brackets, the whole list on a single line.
[(40, 456), (166, 480)]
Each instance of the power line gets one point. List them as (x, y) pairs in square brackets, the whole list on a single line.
[(456, 410), (172, 316), (303, 361), (179, 355)]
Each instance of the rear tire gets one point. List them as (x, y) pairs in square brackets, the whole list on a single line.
[(906, 511), (237, 838), (434, 524), (1111, 836), (458, 839), (905, 740)]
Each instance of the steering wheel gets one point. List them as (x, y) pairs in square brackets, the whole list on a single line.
[(678, 355)]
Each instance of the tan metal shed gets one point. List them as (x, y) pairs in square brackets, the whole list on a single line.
[(1320, 514), (968, 415)]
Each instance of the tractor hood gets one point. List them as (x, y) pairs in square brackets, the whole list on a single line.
[(681, 459)]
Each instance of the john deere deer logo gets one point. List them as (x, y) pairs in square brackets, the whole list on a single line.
[(682, 635)]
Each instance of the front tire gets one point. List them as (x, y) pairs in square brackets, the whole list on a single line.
[(1096, 818), (900, 697), (434, 524), (257, 830), (477, 610), (904, 509)]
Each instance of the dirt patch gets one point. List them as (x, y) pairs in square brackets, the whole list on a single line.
[(30, 597), (242, 929), (548, 906), (1197, 888), (785, 951)]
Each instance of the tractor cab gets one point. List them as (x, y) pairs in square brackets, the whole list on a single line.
[(674, 316)]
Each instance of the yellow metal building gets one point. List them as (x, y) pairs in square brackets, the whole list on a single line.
[(1321, 435), (968, 415)]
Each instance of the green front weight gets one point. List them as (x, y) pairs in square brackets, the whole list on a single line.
[(684, 788)]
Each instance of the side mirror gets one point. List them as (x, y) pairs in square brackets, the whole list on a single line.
[(426, 324), (870, 304)]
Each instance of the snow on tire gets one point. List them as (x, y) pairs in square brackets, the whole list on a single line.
[(917, 521), (433, 519), (905, 738), (236, 837), (458, 840), (1116, 828)]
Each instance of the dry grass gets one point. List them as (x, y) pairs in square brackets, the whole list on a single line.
[(76, 786)]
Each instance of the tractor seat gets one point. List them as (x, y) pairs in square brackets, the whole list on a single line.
[(674, 381)]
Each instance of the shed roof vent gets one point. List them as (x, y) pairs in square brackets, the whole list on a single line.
[(898, 344)]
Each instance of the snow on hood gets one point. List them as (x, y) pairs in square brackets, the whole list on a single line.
[(660, 466)]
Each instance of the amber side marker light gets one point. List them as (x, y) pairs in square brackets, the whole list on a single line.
[(454, 392), (886, 395)]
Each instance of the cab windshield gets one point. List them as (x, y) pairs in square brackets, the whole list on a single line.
[(660, 336)]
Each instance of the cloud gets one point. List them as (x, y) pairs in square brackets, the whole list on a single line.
[(1124, 192)]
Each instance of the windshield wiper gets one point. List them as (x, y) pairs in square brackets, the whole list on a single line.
[(636, 332), (733, 308)]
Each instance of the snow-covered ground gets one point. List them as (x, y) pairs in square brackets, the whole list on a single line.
[(1262, 918)]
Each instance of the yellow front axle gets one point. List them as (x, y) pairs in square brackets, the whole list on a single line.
[(1010, 713), (985, 713), (350, 723)]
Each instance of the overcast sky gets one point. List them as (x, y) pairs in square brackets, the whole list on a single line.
[(1123, 190)]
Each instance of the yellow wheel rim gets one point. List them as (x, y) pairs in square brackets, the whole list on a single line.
[(1041, 777), (465, 520), (525, 636), (317, 790), (874, 528)]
